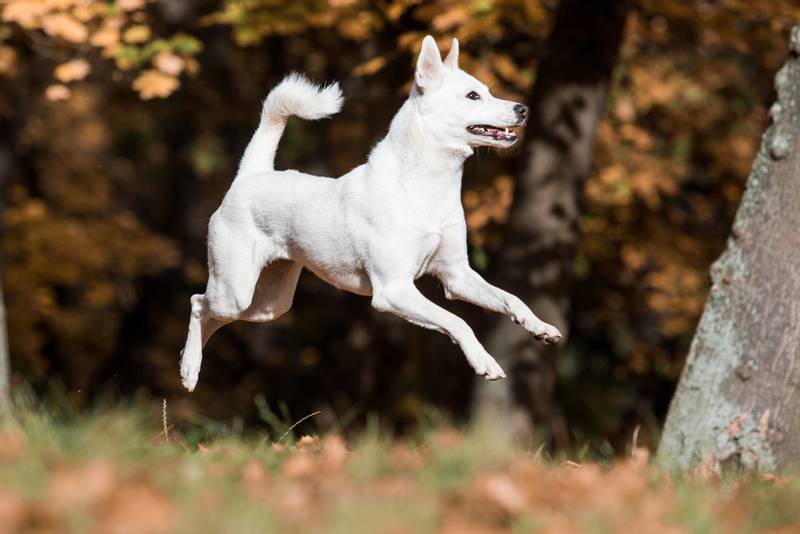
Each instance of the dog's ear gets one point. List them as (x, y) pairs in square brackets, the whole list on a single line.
[(451, 60), (429, 64)]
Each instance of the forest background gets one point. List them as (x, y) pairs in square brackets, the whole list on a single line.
[(122, 123)]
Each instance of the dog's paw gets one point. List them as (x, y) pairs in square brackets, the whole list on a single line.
[(190, 371), (546, 333), (488, 368)]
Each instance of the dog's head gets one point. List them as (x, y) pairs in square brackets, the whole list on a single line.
[(457, 106)]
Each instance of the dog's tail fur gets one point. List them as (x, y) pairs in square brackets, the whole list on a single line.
[(295, 95)]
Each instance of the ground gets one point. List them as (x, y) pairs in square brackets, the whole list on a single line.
[(116, 471)]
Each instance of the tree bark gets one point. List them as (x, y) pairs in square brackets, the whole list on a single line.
[(5, 361), (737, 401), (567, 102)]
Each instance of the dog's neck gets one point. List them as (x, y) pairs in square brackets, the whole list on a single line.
[(417, 152)]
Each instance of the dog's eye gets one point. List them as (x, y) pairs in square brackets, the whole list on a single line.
[(472, 95)]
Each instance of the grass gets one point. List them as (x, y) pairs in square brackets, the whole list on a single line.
[(115, 471)]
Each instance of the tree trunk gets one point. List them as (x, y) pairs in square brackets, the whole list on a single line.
[(567, 103), (6, 171), (5, 362), (737, 401)]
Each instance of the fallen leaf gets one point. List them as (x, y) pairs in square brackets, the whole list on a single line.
[(334, 452), (137, 507), (12, 446), (12, 511), (82, 485), (299, 466), (308, 444)]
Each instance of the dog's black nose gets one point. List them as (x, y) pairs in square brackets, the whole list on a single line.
[(521, 111)]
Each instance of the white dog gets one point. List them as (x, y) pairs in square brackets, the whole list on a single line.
[(374, 230)]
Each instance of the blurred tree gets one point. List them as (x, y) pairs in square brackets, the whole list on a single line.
[(5, 360), (737, 401), (541, 236)]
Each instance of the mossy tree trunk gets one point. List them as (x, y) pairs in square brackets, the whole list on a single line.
[(567, 103), (738, 400)]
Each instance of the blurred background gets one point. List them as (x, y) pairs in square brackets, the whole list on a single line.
[(122, 124)]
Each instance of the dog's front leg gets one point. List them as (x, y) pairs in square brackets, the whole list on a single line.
[(404, 300), (463, 283)]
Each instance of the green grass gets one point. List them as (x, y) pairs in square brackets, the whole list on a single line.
[(114, 467)]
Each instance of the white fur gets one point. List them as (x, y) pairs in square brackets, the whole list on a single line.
[(372, 231)]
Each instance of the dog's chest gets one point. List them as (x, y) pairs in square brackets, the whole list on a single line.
[(427, 238)]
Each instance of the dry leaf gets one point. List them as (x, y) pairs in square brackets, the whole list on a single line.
[(334, 452), (12, 446), (8, 61), (136, 34), (169, 63), (57, 92), (105, 37), (84, 485), (130, 5), (308, 444), (138, 507), (154, 84), (451, 18), (499, 491), (299, 466), (64, 26), (25, 13), (77, 69), (12, 511), (370, 67)]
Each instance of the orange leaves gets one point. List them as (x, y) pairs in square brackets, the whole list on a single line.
[(570, 497), (154, 84), (65, 26), (8, 61), (121, 33), (130, 5), (136, 34), (57, 92), (451, 18), (77, 69), (26, 13), (138, 507), (370, 67), (169, 63), (489, 203)]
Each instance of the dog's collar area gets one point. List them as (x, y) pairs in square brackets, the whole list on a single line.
[(495, 132)]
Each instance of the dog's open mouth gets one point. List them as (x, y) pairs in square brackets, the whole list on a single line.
[(496, 133)]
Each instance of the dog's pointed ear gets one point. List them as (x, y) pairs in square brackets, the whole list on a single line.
[(429, 64), (451, 60)]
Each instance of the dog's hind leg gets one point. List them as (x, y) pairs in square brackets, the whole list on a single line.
[(234, 268), (274, 291), (271, 298), (192, 353)]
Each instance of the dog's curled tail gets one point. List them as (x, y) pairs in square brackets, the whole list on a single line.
[(295, 95)]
